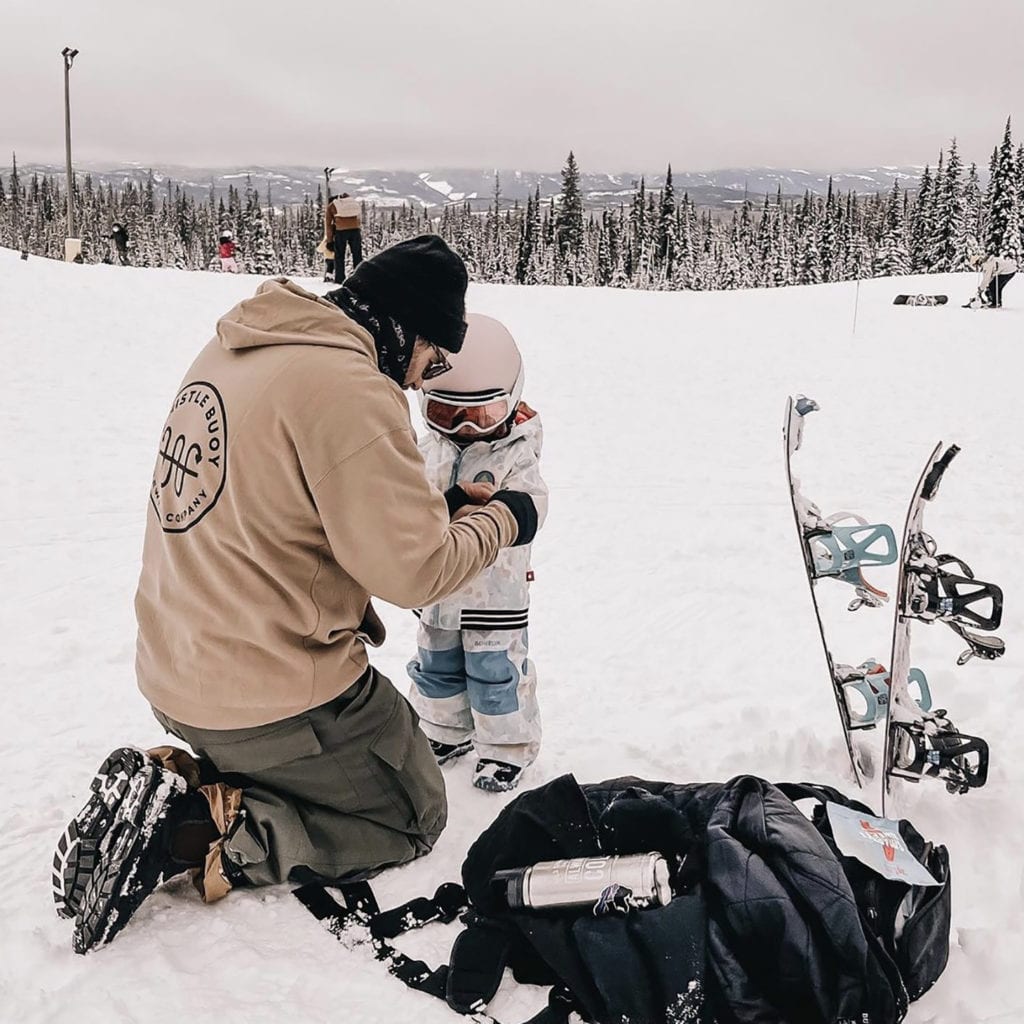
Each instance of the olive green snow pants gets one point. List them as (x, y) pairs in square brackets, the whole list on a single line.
[(339, 791)]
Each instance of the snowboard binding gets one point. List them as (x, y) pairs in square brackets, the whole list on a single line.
[(934, 748), (841, 552), (957, 599), (866, 691)]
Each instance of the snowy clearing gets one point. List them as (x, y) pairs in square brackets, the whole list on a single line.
[(671, 624)]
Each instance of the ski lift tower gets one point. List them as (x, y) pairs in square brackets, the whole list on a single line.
[(72, 243)]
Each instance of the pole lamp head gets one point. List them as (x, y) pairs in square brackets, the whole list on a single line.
[(69, 55)]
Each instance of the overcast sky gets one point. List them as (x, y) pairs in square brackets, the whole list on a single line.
[(473, 83)]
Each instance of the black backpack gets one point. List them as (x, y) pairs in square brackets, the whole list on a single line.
[(644, 966), (910, 922)]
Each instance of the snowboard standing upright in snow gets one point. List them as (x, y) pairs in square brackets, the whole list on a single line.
[(834, 551), (919, 742)]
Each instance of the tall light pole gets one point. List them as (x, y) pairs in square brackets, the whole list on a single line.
[(69, 56)]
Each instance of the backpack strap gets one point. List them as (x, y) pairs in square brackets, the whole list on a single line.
[(822, 794), (478, 957), (360, 908), (478, 960)]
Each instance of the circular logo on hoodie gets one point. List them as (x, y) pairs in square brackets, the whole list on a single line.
[(191, 465)]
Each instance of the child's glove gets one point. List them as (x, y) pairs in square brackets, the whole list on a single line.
[(463, 499)]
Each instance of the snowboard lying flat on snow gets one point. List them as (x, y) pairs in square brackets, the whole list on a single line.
[(920, 300)]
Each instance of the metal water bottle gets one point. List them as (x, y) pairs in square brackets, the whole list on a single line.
[(583, 880)]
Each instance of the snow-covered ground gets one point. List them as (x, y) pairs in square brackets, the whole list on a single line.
[(671, 623)]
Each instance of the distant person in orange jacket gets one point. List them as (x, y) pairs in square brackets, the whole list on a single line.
[(226, 251), (342, 229)]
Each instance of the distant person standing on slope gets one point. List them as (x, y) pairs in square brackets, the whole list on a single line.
[(342, 229), (996, 272), (226, 249), (119, 236)]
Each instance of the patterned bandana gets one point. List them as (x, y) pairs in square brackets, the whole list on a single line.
[(394, 343)]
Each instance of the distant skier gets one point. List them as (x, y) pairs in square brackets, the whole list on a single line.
[(997, 271), (474, 685), (342, 230), (119, 236), (226, 250)]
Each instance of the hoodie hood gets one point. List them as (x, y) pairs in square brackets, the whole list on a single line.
[(282, 313)]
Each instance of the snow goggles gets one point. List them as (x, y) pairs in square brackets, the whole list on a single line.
[(455, 413)]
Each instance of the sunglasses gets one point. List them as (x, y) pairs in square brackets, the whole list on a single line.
[(439, 366)]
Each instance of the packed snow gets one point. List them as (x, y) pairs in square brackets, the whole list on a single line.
[(671, 624)]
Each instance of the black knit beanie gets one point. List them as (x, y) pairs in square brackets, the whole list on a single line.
[(421, 283)]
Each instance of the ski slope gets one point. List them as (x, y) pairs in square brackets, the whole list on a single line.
[(671, 624)]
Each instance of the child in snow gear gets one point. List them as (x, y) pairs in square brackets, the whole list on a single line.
[(287, 489), (226, 250), (997, 272), (342, 230), (473, 682), (326, 249)]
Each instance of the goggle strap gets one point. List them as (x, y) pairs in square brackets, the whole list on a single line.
[(466, 398)]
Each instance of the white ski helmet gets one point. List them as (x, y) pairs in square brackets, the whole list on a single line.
[(225, 236), (482, 389)]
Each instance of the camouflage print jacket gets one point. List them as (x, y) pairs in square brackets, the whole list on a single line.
[(498, 598)]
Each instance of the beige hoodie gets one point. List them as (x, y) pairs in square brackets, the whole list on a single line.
[(288, 488)]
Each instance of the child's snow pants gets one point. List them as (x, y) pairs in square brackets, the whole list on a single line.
[(481, 684)]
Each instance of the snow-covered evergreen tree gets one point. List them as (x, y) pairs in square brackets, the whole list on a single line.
[(1002, 214), (891, 256), (948, 250), (569, 221), (924, 224), (665, 242)]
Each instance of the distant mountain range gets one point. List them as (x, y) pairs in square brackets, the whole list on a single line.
[(433, 188)]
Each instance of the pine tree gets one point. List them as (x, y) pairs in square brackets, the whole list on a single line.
[(891, 256), (972, 208), (569, 221), (810, 271), (921, 232), (260, 257), (666, 235), (829, 236), (948, 250), (16, 207), (1020, 187), (1003, 204)]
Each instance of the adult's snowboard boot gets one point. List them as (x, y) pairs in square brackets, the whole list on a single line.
[(144, 822)]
